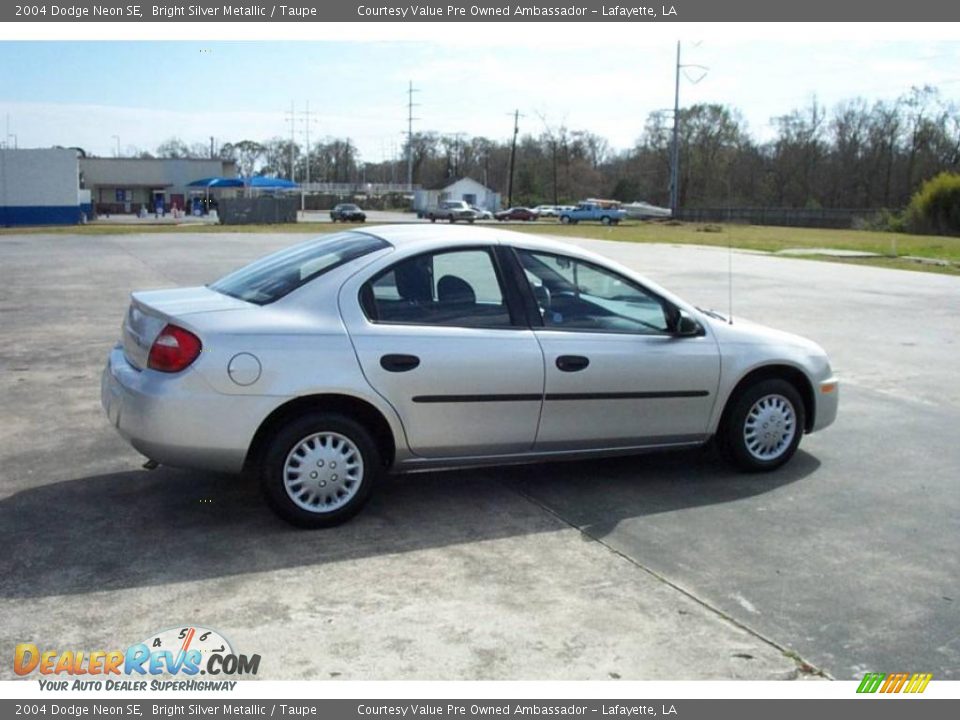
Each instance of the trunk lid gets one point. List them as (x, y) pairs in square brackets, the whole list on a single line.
[(151, 310)]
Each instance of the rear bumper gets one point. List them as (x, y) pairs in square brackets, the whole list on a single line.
[(178, 419)]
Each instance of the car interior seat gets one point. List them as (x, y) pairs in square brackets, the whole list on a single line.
[(452, 289)]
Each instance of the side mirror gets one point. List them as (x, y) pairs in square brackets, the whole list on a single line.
[(687, 327)]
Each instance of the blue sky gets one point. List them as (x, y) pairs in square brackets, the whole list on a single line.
[(86, 93)]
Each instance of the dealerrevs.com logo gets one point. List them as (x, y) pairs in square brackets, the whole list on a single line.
[(178, 652)]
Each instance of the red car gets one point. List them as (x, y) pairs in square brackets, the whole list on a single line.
[(516, 213)]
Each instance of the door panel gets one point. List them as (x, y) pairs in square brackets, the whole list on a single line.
[(634, 389), (440, 340), (617, 372), (473, 392)]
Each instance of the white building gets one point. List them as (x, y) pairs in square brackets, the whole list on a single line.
[(41, 187), (466, 189)]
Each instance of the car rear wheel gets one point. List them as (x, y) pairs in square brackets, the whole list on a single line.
[(763, 427), (320, 469), (605, 219)]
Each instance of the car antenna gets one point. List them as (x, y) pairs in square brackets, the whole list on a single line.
[(730, 279)]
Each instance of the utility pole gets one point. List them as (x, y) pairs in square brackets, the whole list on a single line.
[(291, 118), (306, 130), (117, 138), (410, 118), (675, 148), (213, 154), (456, 153), (513, 154)]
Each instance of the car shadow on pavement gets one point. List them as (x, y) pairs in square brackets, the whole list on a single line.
[(647, 485), (142, 529)]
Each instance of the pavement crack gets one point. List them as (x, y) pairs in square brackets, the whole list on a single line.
[(803, 666)]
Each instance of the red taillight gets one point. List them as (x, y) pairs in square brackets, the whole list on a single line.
[(173, 350)]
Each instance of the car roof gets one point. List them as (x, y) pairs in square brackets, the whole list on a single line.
[(422, 236)]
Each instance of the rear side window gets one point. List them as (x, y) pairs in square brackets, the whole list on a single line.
[(458, 288), (270, 278)]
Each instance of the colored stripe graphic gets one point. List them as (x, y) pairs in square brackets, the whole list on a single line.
[(894, 682)]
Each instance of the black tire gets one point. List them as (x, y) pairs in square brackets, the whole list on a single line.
[(733, 431), (273, 481), (564, 219), (432, 219), (605, 219)]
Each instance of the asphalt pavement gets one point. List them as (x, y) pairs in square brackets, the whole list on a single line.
[(659, 567)]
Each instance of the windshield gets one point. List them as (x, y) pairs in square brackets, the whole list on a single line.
[(270, 278)]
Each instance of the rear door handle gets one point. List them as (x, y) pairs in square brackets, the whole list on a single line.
[(399, 363), (572, 363)]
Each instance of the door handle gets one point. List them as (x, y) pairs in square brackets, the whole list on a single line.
[(399, 363), (572, 363)]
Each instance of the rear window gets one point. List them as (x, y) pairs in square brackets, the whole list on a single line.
[(270, 278)]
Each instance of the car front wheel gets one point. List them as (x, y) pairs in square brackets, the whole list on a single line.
[(565, 219), (763, 427), (319, 470)]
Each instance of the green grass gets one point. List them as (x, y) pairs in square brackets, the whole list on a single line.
[(762, 237), (892, 247)]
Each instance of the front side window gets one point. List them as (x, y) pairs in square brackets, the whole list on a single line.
[(576, 295), (458, 288), (270, 278)]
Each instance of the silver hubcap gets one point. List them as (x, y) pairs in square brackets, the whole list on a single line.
[(323, 472), (770, 427)]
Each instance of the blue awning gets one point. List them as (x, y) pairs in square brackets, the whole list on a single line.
[(261, 183), (269, 183), (217, 182)]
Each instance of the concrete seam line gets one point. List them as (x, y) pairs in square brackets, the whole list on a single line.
[(792, 654)]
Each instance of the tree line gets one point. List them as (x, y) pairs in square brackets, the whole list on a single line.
[(856, 155)]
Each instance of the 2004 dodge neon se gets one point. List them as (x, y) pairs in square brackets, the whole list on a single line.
[(398, 348)]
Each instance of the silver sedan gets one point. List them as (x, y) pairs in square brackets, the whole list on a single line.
[(398, 348)]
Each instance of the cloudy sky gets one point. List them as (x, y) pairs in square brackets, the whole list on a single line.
[(470, 78)]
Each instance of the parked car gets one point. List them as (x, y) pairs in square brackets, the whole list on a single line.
[(516, 213), (606, 214), (400, 348), (451, 210), (547, 210), (481, 213), (347, 212)]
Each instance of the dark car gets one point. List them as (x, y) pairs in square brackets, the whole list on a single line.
[(516, 213), (347, 212)]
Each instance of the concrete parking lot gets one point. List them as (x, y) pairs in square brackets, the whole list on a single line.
[(660, 567)]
